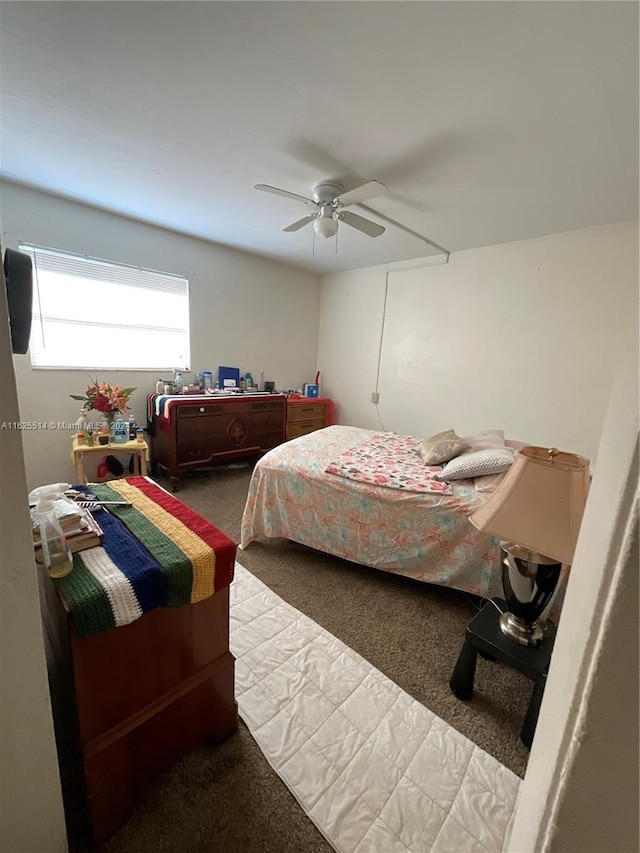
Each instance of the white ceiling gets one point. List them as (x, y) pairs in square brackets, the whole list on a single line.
[(487, 121)]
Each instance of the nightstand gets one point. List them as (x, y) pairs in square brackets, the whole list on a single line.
[(483, 635), (138, 449), (306, 414)]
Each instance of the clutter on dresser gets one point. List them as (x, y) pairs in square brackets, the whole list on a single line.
[(230, 381), (60, 527), (89, 534), (50, 542), (312, 389)]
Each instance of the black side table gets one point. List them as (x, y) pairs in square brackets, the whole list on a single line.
[(483, 635)]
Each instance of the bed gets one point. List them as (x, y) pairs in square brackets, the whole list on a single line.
[(426, 536)]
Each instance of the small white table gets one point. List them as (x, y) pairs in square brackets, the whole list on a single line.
[(139, 450)]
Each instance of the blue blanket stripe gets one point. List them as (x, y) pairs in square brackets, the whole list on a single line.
[(134, 561)]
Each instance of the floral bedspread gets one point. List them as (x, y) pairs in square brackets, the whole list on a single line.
[(391, 460), (422, 535), (425, 536)]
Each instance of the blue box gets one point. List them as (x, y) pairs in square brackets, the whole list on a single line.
[(229, 377), (311, 390)]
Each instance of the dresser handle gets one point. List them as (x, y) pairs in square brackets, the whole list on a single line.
[(202, 408)]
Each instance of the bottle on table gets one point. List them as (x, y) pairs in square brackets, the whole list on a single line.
[(56, 554), (133, 426), (178, 382), (81, 423), (119, 432)]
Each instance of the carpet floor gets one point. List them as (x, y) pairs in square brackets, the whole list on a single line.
[(228, 797)]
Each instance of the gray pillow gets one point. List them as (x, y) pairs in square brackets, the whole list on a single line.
[(441, 447), (477, 464)]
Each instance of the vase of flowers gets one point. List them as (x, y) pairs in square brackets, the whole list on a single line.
[(109, 400)]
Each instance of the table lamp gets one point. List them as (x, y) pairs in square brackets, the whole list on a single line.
[(536, 512)]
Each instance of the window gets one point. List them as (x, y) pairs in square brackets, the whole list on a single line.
[(100, 315)]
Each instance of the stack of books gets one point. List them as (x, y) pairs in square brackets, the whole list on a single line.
[(78, 525), (68, 514)]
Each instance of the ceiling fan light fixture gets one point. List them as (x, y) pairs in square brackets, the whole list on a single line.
[(329, 201), (325, 226)]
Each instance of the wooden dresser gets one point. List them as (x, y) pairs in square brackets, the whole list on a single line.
[(307, 414), (147, 694), (199, 433), (131, 701)]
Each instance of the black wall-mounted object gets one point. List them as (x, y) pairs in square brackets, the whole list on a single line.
[(19, 283)]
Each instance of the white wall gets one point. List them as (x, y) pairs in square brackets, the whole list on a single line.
[(246, 311), (31, 815), (580, 793), (522, 336)]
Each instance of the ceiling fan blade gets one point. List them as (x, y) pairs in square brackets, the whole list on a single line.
[(362, 193), (267, 189), (371, 229), (301, 222)]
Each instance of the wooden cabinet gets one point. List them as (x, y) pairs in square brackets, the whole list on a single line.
[(202, 433), (131, 702), (306, 415)]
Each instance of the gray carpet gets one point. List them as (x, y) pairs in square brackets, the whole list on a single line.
[(227, 797)]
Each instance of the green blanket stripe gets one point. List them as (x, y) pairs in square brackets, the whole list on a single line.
[(173, 563), (86, 599)]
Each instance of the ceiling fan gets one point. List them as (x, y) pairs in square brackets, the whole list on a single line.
[(329, 204)]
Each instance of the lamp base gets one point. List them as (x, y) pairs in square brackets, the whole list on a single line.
[(529, 581), (524, 633)]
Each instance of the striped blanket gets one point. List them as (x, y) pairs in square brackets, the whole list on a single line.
[(157, 552)]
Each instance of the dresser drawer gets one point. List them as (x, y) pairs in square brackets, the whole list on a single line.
[(295, 430), (307, 412), (197, 411)]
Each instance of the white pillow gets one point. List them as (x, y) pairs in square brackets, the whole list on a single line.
[(490, 482), (441, 447), (477, 463)]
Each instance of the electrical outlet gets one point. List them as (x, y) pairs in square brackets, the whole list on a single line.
[(375, 397)]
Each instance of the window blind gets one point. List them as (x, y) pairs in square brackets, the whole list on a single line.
[(98, 314)]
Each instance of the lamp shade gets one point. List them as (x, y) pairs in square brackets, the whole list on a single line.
[(539, 504)]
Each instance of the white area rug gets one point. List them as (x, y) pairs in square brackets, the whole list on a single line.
[(373, 769)]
